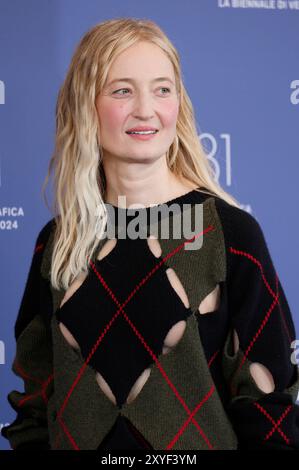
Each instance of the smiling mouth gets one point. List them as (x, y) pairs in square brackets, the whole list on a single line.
[(142, 132)]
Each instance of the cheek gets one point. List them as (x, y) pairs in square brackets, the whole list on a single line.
[(113, 117), (169, 114)]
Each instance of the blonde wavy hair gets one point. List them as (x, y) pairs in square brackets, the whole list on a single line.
[(79, 179)]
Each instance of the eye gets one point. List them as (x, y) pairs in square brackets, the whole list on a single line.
[(127, 89), (121, 89), (164, 88)]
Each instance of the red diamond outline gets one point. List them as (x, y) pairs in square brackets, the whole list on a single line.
[(209, 394)]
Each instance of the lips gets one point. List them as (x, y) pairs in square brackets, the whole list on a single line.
[(142, 128)]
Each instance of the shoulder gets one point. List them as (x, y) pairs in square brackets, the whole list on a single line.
[(43, 247), (44, 237), (239, 226), (246, 245), (36, 290), (46, 230)]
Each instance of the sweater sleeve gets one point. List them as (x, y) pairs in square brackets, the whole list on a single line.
[(33, 358), (260, 319)]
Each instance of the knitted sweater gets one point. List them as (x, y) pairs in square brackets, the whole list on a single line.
[(197, 390)]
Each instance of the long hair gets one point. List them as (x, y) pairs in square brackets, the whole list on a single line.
[(76, 162)]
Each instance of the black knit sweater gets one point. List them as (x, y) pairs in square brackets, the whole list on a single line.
[(252, 302)]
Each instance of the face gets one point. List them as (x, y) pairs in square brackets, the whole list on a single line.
[(141, 101)]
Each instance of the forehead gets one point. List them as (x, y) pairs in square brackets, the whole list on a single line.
[(141, 61)]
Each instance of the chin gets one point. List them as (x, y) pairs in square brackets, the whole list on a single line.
[(142, 155)]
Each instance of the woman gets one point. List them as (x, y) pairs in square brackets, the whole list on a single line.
[(140, 342)]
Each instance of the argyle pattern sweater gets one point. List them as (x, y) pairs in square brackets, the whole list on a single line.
[(200, 396)]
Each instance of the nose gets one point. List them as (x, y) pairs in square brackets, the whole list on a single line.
[(143, 106)]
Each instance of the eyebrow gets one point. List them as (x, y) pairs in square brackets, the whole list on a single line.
[(131, 80)]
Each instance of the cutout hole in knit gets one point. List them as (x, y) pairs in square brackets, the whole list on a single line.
[(211, 302), (78, 282), (261, 374), (154, 246), (107, 248), (236, 341), (262, 377), (73, 288), (177, 286)]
